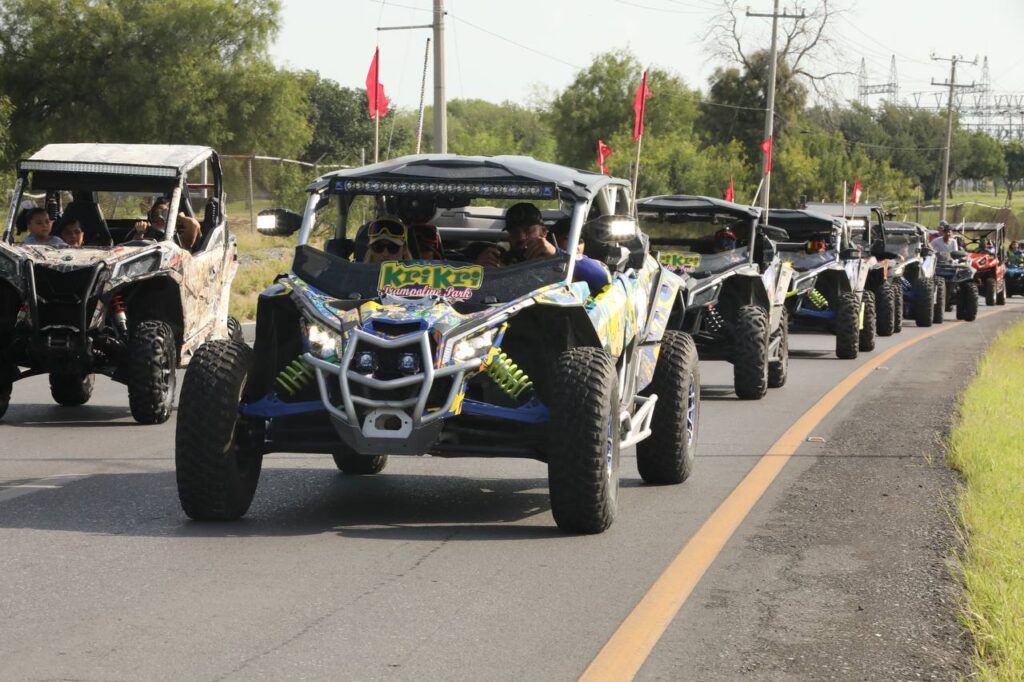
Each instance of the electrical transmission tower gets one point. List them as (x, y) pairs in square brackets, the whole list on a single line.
[(892, 88), (979, 107)]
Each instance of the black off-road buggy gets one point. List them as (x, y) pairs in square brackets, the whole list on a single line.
[(956, 270), (737, 287), (827, 289), (362, 361), (868, 232), (921, 295), (132, 310)]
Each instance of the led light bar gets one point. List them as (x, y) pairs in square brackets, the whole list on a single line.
[(498, 190), (99, 168)]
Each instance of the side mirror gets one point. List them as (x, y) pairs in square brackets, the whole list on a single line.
[(278, 222), (611, 229)]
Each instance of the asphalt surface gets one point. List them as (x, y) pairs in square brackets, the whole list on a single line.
[(453, 569)]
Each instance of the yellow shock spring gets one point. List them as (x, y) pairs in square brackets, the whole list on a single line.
[(817, 299), (506, 374), (295, 376)]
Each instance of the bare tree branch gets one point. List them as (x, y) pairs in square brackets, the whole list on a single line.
[(808, 44)]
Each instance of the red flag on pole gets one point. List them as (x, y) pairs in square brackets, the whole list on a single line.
[(766, 147), (640, 107), (730, 191), (375, 90), (603, 152), (855, 195)]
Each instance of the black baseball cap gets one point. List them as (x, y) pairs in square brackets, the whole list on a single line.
[(522, 215)]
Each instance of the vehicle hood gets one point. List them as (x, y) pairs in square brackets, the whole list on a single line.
[(981, 261), (71, 259), (392, 316)]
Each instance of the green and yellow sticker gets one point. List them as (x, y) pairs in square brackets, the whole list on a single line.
[(679, 260), (429, 279)]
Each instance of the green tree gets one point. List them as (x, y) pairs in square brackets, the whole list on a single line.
[(985, 159), (170, 71), (745, 92), (342, 127), (1013, 153), (598, 104)]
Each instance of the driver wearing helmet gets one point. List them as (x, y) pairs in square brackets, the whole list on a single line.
[(724, 240)]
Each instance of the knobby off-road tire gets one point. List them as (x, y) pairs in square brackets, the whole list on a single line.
[(235, 330), (216, 473), (6, 386), (939, 309), (352, 464), (923, 291), (153, 360), (666, 457), (897, 309), (750, 352), (778, 370), (71, 389), (967, 302), (583, 450), (867, 332), (989, 288), (1001, 294), (848, 326), (885, 316)]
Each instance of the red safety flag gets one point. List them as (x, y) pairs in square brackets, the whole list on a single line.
[(375, 90), (766, 147), (855, 196), (640, 107), (730, 191), (603, 152)]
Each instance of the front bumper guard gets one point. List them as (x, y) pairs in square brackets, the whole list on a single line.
[(389, 426)]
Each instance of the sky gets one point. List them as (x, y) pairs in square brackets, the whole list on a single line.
[(525, 50)]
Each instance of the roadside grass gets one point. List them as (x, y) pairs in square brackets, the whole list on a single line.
[(987, 448), (260, 259)]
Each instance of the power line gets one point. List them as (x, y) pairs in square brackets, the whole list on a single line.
[(664, 9), (513, 42)]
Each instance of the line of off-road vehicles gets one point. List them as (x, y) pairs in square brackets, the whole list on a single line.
[(362, 360)]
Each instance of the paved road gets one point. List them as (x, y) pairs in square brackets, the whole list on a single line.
[(436, 569)]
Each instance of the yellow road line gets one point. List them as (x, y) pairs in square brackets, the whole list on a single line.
[(631, 644)]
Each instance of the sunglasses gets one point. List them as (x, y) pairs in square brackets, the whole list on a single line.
[(382, 246)]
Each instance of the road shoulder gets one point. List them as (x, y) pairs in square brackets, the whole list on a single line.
[(842, 570)]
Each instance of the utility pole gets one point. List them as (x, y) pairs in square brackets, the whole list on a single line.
[(440, 99), (953, 85), (769, 118)]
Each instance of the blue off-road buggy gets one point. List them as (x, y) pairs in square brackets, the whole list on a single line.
[(445, 357), (737, 284), (827, 289), (1014, 275)]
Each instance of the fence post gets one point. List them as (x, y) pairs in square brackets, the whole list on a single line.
[(252, 205)]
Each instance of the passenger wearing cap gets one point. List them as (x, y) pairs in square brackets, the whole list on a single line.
[(527, 239), (944, 243), (388, 240)]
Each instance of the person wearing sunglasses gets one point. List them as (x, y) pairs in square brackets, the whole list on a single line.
[(388, 240)]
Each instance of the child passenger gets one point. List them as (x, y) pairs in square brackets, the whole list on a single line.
[(39, 227)]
